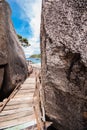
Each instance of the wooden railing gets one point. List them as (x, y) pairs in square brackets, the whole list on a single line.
[(3, 104), (39, 104)]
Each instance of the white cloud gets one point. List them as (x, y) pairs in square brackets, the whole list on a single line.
[(32, 14), (33, 49)]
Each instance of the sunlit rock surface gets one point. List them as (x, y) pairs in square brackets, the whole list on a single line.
[(13, 67), (64, 62)]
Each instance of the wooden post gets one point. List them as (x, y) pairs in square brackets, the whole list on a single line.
[(38, 125), (39, 106)]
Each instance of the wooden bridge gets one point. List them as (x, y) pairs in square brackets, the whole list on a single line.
[(24, 107)]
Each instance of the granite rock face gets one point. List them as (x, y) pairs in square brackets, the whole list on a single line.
[(13, 67), (64, 62)]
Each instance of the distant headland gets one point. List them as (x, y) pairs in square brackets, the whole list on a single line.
[(36, 56)]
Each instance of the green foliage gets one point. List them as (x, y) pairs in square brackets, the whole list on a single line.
[(19, 36), (36, 56), (24, 41)]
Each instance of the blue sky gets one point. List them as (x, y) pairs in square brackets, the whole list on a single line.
[(26, 17)]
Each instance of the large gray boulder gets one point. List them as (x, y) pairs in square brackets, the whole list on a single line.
[(64, 62), (13, 67)]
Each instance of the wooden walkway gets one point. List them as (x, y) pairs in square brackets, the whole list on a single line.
[(19, 109)]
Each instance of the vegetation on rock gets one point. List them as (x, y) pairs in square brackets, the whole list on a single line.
[(24, 41), (36, 56), (13, 66)]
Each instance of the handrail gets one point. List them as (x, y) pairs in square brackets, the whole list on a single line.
[(10, 97), (38, 104)]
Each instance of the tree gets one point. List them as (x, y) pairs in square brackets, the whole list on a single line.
[(24, 41)]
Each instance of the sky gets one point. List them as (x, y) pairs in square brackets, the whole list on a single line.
[(26, 17)]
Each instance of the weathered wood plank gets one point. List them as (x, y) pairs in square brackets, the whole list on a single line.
[(27, 88), (29, 81), (12, 107), (21, 95), (25, 91), (15, 111), (22, 99), (14, 102), (28, 84), (19, 109), (16, 122), (15, 116)]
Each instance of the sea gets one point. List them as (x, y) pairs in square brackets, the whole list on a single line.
[(34, 60)]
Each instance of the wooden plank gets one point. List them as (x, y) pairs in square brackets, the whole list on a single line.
[(27, 88), (11, 96), (15, 116), (19, 109), (21, 96), (16, 122), (29, 82), (22, 99), (14, 102), (30, 125), (12, 107), (25, 91), (32, 79), (3, 113)]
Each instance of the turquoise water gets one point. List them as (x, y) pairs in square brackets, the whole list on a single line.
[(34, 60)]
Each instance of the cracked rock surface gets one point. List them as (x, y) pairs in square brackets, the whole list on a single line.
[(64, 62), (13, 67)]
